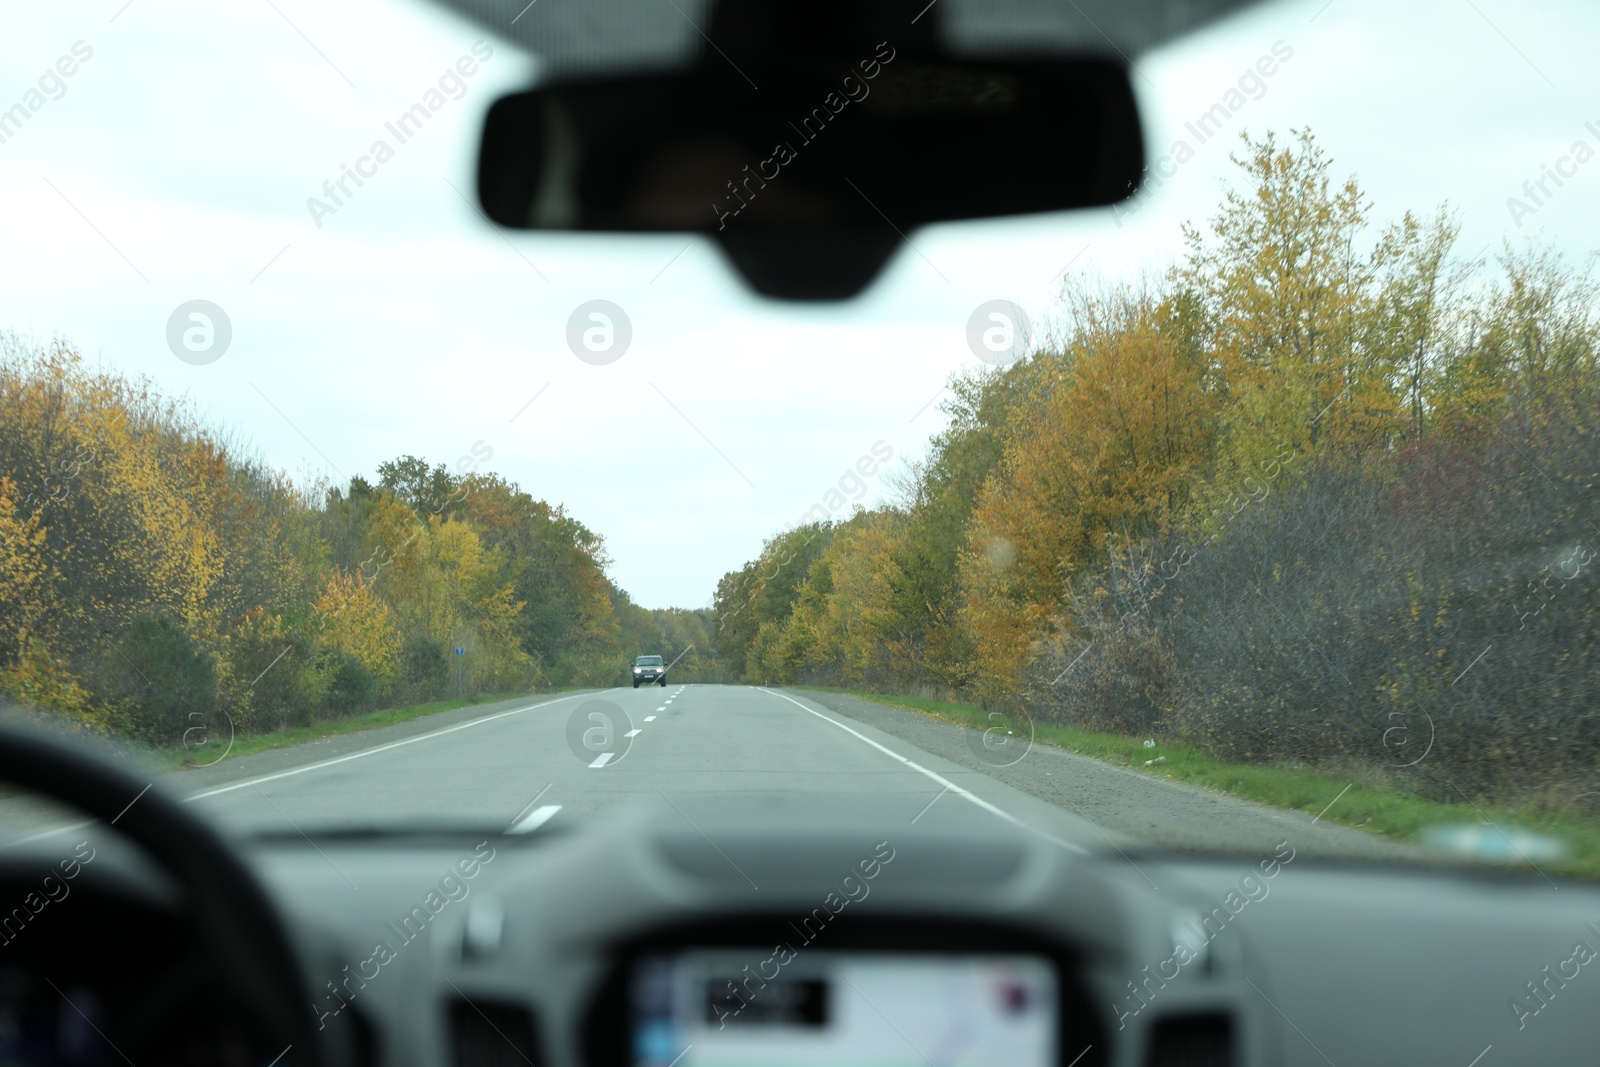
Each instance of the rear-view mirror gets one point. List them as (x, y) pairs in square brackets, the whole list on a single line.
[(810, 170)]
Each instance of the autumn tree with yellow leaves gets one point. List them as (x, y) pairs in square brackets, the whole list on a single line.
[(158, 581), (1259, 502)]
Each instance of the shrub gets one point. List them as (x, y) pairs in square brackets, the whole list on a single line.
[(348, 686), (1124, 683), (424, 668), (1429, 613), (271, 677), (159, 681)]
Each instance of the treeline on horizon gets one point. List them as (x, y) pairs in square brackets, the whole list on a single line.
[(159, 583), (1320, 493)]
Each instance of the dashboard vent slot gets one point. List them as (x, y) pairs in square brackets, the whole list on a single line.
[(351, 1037), (490, 1034), (365, 1052), (1192, 1041)]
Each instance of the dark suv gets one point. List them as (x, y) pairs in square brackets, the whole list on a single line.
[(649, 669)]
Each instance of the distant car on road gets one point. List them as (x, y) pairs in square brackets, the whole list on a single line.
[(649, 669)]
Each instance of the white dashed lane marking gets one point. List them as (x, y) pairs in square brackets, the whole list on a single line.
[(534, 820)]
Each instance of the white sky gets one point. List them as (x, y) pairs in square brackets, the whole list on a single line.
[(177, 164)]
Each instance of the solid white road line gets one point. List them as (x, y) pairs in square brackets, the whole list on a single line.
[(941, 779), (48, 833), (372, 751), (538, 818), (602, 759)]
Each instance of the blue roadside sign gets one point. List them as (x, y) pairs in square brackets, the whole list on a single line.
[(461, 652)]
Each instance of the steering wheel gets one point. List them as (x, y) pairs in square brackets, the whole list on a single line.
[(237, 924)]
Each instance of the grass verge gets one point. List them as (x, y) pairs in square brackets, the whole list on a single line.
[(181, 759), (1388, 812)]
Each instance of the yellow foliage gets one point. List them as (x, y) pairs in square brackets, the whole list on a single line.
[(1106, 450), (22, 572), (354, 621), (35, 680)]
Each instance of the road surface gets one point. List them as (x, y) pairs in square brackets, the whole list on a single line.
[(527, 766)]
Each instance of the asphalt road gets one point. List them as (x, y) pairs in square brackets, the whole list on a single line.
[(549, 764)]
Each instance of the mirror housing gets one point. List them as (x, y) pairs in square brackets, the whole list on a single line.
[(810, 181)]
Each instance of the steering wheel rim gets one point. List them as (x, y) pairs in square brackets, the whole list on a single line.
[(239, 926)]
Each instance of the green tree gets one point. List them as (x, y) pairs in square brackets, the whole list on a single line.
[(159, 681)]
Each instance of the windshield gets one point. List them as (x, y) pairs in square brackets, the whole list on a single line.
[(1276, 479)]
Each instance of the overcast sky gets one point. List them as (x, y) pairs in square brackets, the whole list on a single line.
[(175, 162)]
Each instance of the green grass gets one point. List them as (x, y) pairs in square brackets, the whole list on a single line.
[(1388, 812), (246, 744)]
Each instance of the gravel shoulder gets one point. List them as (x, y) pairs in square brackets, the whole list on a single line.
[(1123, 803)]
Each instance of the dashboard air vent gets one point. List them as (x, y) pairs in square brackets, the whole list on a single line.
[(1192, 1041), (490, 1034)]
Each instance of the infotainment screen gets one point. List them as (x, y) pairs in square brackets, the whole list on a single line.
[(723, 1008)]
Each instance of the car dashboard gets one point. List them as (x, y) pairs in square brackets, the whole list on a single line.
[(705, 943)]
